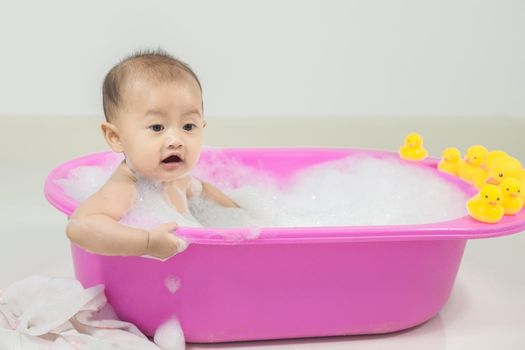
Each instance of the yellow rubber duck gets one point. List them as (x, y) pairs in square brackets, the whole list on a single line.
[(479, 179), (512, 201), (486, 205), (450, 159), (413, 148), (502, 168), (471, 165), (492, 156)]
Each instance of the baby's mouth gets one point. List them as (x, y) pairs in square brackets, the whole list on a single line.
[(172, 159)]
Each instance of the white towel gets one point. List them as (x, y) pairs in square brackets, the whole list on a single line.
[(58, 313)]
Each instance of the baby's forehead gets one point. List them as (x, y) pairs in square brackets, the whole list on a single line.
[(151, 67), (141, 93), (140, 82)]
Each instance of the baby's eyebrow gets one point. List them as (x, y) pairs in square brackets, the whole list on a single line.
[(193, 111), (155, 111), (164, 114)]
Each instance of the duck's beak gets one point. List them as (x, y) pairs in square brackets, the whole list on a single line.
[(493, 203), (513, 195), (466, 160), (492, 181)]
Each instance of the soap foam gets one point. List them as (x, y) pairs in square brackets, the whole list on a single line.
[(354, 191), (169, 336), (151, 209), (86, 180), (172, 284)]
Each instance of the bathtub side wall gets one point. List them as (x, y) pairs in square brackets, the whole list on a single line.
[(248, 292)]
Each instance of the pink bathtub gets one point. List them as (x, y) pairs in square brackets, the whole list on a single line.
[(289, 282)]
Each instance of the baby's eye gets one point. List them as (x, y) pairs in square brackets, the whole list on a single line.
[(189, 127), (157, 127)]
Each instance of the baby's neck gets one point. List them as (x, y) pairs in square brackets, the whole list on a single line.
[(182, 183)]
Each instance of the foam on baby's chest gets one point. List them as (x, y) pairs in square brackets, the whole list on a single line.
[(154, 206)]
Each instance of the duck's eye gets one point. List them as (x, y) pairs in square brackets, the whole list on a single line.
[(497, 199), (486, 196), (500, 175), (508, 189), (157, 127)]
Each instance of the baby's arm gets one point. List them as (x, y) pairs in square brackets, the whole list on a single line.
[(217, 195), (94, 225)]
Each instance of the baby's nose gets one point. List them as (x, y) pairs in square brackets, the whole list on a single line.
[(172, 140)]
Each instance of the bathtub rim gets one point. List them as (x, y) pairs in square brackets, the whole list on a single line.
[(460, 228)]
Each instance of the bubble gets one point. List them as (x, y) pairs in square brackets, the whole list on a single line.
[(353, 191), (169, 336), (172, 284)]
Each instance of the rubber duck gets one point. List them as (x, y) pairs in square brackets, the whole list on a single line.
[(450, 158), (413, 148), (471, 165), (512, 201), (479, 179), (486, 205), (502, 168), (491, 157)]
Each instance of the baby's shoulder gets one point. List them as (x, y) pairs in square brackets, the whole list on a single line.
[(114, 198)]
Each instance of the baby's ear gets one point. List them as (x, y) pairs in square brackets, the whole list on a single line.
[(112, 137)]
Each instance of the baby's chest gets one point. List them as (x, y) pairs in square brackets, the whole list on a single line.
[(178, 199)]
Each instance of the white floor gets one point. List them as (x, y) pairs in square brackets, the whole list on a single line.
[(485, 311)]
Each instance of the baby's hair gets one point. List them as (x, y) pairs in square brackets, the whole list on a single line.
[(156, 65)]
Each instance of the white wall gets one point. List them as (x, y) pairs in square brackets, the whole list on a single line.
[(275, 58)]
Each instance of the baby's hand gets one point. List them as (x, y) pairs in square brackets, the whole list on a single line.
[(163, 244)]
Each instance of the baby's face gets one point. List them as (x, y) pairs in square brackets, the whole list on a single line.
[(160, 127)]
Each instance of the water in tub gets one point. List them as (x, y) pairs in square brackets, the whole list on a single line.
[(356, 190)]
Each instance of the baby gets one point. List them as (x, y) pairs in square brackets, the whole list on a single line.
[(154, 116)]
